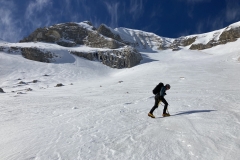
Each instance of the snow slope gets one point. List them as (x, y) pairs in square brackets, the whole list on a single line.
[(101, 113), (214, 35), (142, 40)]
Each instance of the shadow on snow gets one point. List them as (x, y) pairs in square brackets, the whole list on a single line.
[(193, 111), (190, 112), (146, 59)]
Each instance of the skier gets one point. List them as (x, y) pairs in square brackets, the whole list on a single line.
[(160, 97)]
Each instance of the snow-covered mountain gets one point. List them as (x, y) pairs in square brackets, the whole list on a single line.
[(76, 109), (145, 40), (116, 48)]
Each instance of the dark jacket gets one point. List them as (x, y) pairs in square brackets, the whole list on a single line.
[(163, 91)]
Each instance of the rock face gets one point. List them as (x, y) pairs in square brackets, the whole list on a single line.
[(66, 43), (184, 41), (104, 30), (1, 90), (10, 49), (72, 34), (124, 58), (97, 40), (65, 32), (38, 55)]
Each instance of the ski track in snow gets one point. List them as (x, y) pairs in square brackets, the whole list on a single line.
[(103, 114)]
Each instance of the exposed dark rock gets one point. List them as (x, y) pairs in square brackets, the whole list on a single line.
[(97, 40), (210, 44), (51, 35), (104, 30), (21, 82), (2, 48), (123, 58), (162, 47), (66, 43), (59, 85), (197, 47), (176, 48), (71, 34), (10, 49), (184, 41), (20, 93), (87, 55), (34, 81), (29, 89), (1, 90), (38, 55), (230, 34), (68, 31)]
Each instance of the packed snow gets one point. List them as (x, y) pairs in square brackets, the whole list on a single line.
[(101, 113)]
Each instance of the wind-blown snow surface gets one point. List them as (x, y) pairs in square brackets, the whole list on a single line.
[(101, 113)]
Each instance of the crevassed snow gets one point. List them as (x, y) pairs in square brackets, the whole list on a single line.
[(101, 113)]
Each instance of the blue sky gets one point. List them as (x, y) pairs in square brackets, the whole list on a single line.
[(167, 18)]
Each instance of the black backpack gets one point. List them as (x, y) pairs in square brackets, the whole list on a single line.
[(158, 88)]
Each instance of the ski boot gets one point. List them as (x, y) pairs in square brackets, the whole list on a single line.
[(165, 114), (151, 115)]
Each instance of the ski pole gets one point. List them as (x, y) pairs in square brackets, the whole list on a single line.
[(162, 105), (167, 111)]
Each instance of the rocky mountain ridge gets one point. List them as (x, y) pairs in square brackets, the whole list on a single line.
[(84, 33), (116, 48)]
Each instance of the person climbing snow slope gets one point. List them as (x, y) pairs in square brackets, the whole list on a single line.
[(159, 97)]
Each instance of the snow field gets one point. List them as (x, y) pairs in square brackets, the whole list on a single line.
[(103, 114)]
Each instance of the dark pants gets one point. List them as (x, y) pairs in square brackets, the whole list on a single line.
[(157, 100)]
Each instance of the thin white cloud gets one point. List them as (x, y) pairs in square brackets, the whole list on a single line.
[(38, 14), (232, 10), (113, 11), (210, 23), (200, 28), (229, 14), (216, 23), (36, 6), (9, 30), (136, 8), (86, 11)]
